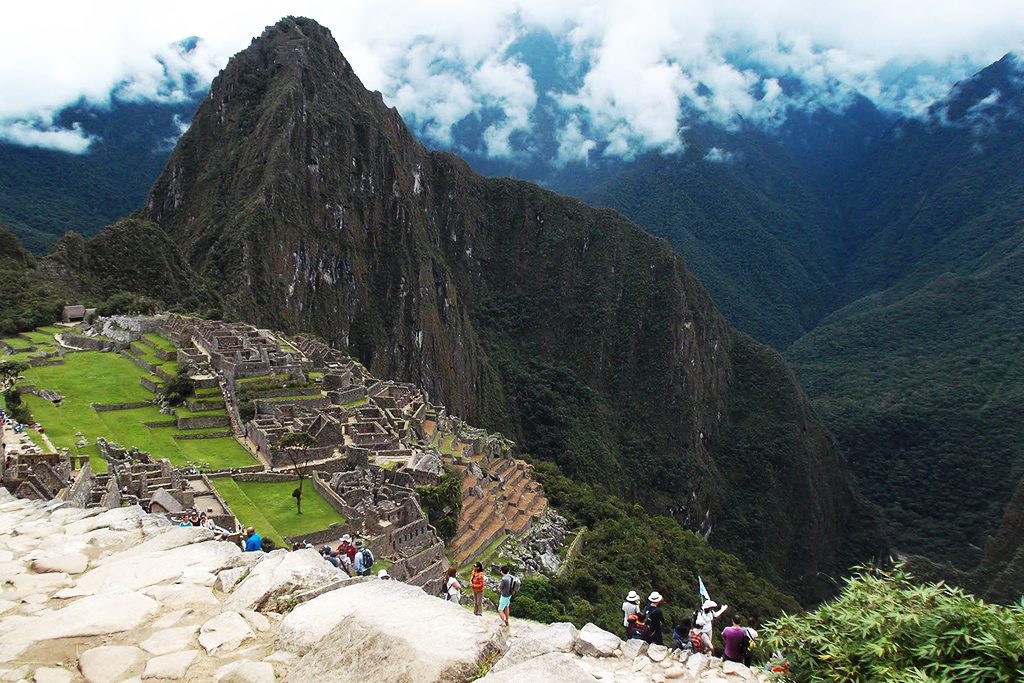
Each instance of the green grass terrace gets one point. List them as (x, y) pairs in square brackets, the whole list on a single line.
[(270, 509), (89, 377)]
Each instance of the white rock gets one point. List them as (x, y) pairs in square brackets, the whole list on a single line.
[(91, 616), (257, 621), (108, 663), (695, 664), (226, 630), (227, 579), (67, 563), (594, 641), (49, 674), (657, 652), (737, 669), (32, 583), (273, 583), (554, 666), (555, 638), (675, 673), (634, 648), (134, 569), (181, 594), (169, 640), (246, 672), (172, 618), (390, 628), (641, 664), (172, 667)]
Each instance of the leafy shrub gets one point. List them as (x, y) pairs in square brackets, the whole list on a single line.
[(178, 389), (886, 627), (442, 503), (15, 407)]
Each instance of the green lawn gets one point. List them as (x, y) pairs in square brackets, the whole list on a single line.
[(17, 344), (159, 342), (270, 508), (91, 377)]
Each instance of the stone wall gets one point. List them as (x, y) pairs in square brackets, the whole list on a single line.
[(150, 384), (205, 422), (78, 495), (92, 343), (101, 407), (112, 497)]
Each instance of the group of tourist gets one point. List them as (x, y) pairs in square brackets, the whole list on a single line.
[(201, 519), (507, 588), (352, 557), (696, 634)]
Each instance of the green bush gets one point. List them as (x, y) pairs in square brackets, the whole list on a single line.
[(886, 627), (15, 407), (442, 503), (178, 389)]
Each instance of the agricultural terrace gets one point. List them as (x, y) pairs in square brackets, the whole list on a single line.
[(89, 377)]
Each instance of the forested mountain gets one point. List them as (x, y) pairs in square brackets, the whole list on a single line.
[(45, 193), (311, 205)]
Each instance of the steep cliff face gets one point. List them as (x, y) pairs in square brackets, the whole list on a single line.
[(312, 207)]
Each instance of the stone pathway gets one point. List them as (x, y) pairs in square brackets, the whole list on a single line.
[(121, 595)]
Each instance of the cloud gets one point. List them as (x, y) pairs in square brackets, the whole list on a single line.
[(38, 134), (648, 66), (717, 155)]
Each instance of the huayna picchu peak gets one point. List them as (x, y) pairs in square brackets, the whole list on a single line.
[(309, 206)]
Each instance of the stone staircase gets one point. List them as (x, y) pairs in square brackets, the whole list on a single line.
[(510, 502)]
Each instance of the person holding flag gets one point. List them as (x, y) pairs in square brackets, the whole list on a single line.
[(706, 616)]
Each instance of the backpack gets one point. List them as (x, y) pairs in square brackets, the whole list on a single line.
[(514, 587), (695, 641), (748, 642), (638, 630), (367, 557)]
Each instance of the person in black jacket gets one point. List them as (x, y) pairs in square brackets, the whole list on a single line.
[(655, 617)]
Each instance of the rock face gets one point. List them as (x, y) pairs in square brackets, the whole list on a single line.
[(312, 206), (170, 625), (395, 630)]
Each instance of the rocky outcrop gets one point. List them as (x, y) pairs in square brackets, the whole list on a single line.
[(163, 602)]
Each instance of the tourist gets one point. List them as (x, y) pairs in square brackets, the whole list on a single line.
[(328, 555), (637, 627), (363, 564), (696, 639), (705, 619), (348, 548), (452, 587), (630, 607), (344, 563), (504, 594), (655, 617), (751, 630), (185, 521), (681, 636), (476, 582), (253, 541), (383, 575), (736, 640)]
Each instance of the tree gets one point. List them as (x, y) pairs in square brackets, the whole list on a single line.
[(290, 444)]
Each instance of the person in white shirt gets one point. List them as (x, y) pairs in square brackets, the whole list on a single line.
[(705, 619), (630, 607)]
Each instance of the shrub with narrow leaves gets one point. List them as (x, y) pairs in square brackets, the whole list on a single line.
[(886, 627)]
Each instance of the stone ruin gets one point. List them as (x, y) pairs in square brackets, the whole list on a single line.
[(382, 506)]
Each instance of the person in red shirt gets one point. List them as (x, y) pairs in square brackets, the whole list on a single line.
[(736, 639), (476, 582)]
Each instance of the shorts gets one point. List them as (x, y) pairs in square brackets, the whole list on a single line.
[(503, 602)]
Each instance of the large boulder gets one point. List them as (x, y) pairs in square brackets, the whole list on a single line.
[(395, 630), (227, 630), (554, 666), (555, 638), (108, 663), (273, 584), (594, 641), (96, 615)]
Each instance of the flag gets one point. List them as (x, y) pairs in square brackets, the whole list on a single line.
[(703, 591)]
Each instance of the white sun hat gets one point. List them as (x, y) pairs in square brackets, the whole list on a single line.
[(709, 604), (655, 597), (632, 597)]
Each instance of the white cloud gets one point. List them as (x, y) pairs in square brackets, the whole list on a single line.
[(38, 134), (652, 63), (717, 155)]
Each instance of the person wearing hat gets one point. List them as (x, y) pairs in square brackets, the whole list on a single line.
[(383, 575), (705, 619), (630, 607), (655, 617), (347, 548)]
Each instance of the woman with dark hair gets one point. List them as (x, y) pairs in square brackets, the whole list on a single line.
[(452, 587), (476, 582)]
